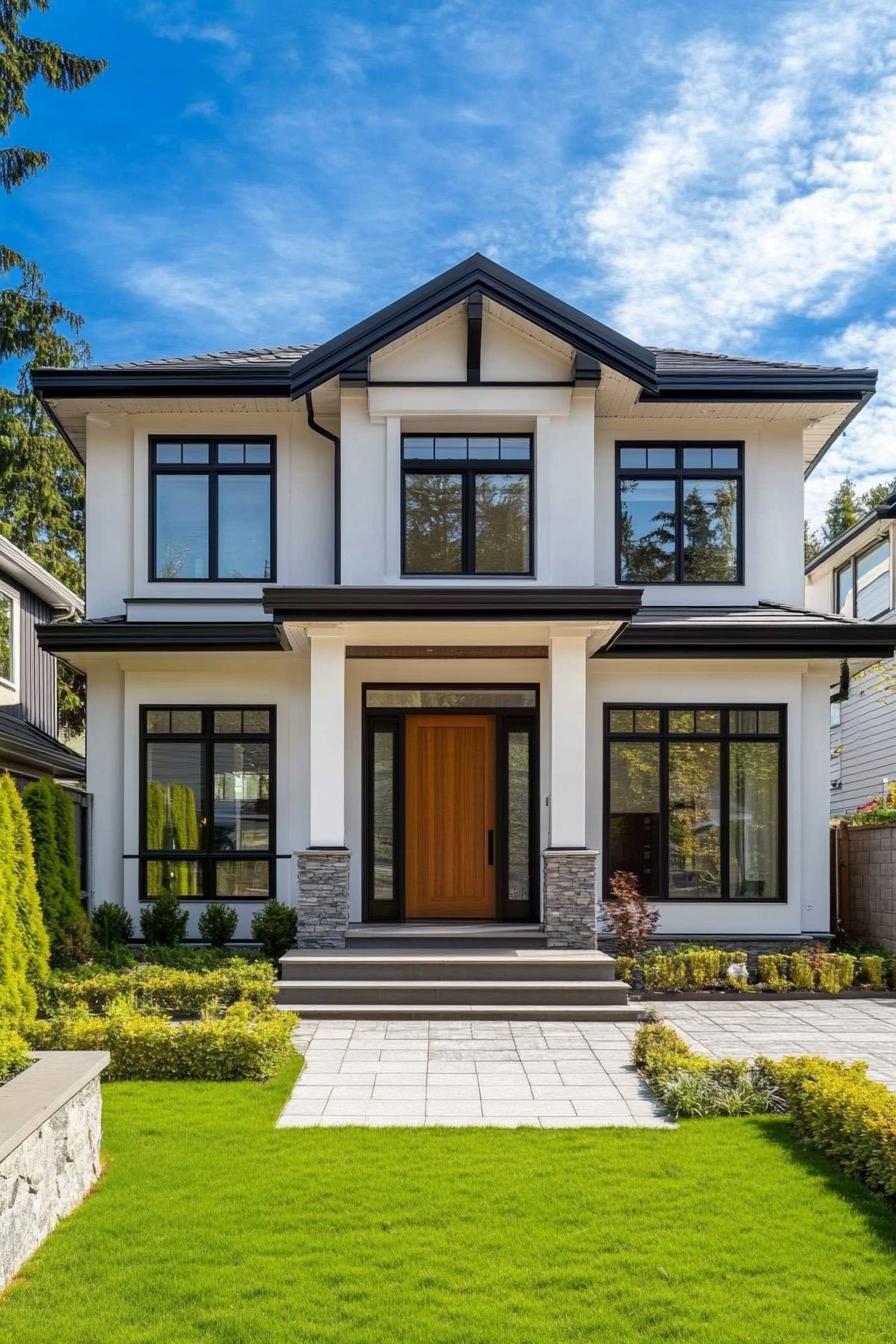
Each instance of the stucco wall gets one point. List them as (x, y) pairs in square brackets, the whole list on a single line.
[(50, 1131)]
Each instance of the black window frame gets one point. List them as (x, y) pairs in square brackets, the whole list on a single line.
[(213, 469), (678, 474), (663, 736), (852, 564), (208, 858), (468, 468)]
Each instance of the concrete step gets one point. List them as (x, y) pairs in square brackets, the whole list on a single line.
[(412, 964), (556, 992), (512, 1012), (445, 934)]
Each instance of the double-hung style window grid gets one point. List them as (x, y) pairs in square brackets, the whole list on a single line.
[(862, 585), (208, 805), (467, 505), (695, 800), (679, 513), (212, 508)]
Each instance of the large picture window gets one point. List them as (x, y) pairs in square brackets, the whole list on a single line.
[(212, 509), (695, 800), (207, 826), (862, 585), (679, 512), (467, 504)]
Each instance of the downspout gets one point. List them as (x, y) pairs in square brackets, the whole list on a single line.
[(337, 486)]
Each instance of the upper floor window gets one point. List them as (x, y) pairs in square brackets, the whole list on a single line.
[(9, 636), (467, 504), (212, 508), (862, 585), (679, 512)]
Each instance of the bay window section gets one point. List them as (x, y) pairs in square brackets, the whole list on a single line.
[(207, 825), (467, 504), (212, 509), (679, 513), (695, 801)]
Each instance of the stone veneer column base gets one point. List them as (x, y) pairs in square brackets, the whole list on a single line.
[(570, 898), (323, 897)]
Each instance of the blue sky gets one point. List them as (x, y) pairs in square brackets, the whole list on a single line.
[(707, 175)]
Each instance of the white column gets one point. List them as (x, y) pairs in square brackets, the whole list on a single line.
[(568, 664), (392, 512), (327, 739)]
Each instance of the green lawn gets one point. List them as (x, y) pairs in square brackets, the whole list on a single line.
[(211, 1225)]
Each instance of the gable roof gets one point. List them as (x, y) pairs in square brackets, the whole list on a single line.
[(881, 511)]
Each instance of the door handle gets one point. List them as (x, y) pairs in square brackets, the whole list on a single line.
[(491, 848)]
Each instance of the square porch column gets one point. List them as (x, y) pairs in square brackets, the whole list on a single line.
[(324, 866), (570, 867)]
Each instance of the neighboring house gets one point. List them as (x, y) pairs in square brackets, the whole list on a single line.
[(455, 615), (853, 576), (29, 742)]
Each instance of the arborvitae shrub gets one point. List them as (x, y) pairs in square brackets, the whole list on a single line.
[(217, 924), (58, 875), (24, 946)]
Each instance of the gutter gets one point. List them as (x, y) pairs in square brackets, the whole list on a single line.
[(337, 486)]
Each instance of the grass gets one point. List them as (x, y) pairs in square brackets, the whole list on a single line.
[(210, 1225)]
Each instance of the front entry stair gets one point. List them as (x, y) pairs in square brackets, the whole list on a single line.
[(470, 974)]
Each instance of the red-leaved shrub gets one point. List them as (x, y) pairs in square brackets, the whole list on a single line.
[(627, 916)]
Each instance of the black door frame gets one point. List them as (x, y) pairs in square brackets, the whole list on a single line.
[(507, 719)]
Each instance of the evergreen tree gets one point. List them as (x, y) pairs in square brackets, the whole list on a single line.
[(56, 861), (69, 865), (812, 542), (41, 485), (876, 494), (844, 509), (23, 939)]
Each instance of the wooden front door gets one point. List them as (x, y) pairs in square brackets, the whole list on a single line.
[(450, 816)]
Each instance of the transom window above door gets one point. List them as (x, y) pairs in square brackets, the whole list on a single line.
[(467, 504), (679, 512), (212, 509)]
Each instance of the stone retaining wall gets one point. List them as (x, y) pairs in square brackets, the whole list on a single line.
[(50, 1130)]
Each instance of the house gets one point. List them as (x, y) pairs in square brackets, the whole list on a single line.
[(853, 576), (29, 738), (453, 616)]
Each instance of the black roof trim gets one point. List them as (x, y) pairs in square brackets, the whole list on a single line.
[(766, 631), (882, 511), (476, 275), (158, 636), (491, 603), (168, 380)]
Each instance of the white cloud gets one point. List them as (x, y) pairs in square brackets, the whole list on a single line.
[(768, 188)]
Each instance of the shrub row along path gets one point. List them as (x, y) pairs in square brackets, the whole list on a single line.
[(554, 1075)]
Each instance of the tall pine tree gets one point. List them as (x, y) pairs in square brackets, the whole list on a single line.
[(843, 510), (41, 485)]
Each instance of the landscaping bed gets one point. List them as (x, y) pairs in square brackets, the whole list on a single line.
[(706, 972)]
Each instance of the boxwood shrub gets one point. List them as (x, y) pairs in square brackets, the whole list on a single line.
[(163, 989), (243, 1044)]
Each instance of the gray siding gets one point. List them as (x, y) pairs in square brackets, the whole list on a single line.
[(37, 670), (863, 748)]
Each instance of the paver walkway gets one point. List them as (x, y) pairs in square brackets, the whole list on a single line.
[(549, 1074), (554, 1074)]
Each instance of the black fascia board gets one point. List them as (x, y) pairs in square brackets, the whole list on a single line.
[(881, 512), (764, 384), (451, 604), (157, 636), (165, 381), (839, 641), (478, 274)]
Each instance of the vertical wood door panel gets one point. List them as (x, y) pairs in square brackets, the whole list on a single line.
[(449, 812)]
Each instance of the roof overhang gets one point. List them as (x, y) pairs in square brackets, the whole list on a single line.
[(709, 638), (17, 565), (437, 604), (158, 637), (882, 513)]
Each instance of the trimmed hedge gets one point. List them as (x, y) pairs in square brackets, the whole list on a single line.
[(162, 989), (839, 1110), (24, 947), (58, 874), (668, 971), (13, 1053), (244, 1044)]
